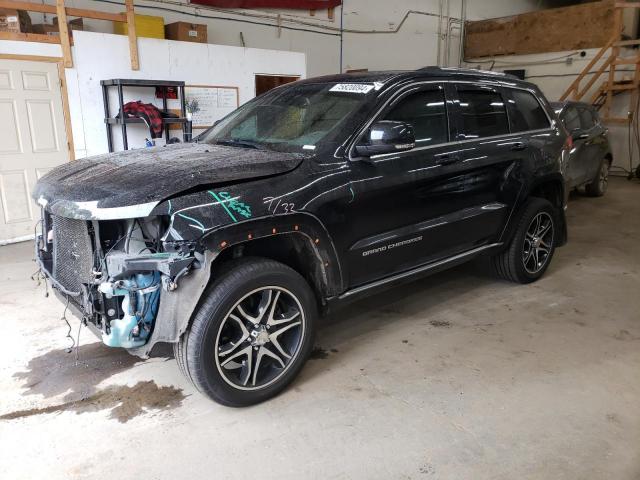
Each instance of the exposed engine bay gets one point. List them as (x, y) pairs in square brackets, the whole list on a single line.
[(114, 273)]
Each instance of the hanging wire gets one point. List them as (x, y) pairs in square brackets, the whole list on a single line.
[(69, 336), (78, 340), (40, 277)]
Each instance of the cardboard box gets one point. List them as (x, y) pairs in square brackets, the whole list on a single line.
[(146, 26), (186, 32), (15, 21), (45, 29), (75, 24)]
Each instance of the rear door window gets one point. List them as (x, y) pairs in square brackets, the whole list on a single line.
[(571, 119), (587, 121), (528, 114), (482, 112), (426, 112)]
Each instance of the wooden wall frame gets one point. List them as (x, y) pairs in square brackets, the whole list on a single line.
[(63, 38), (64, 94)]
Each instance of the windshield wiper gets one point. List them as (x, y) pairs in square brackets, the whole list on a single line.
[(232, 142)]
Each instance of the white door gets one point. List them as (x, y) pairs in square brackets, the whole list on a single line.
[(32, 140)]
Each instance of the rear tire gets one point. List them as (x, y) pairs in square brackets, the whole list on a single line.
[(251, 335), (598, 186), (532, 246)]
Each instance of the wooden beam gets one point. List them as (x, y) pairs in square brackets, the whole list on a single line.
[(71, 12), (31, 7), (627, 5), (81, 12), (620, 120), (618, 25), (627, 43), (63, 29), (624, 86), (30, 58), (30, 37), (66, 112), (627, 61), (594, 77), (133, 39)]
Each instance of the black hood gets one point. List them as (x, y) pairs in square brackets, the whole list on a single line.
[(150, 175)]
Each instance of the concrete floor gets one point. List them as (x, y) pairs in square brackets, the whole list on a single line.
[(457, 376)]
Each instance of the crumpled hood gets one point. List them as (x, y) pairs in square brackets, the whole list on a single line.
[(132, 183)]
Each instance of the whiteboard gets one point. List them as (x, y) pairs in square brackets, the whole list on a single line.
[(215, 102)]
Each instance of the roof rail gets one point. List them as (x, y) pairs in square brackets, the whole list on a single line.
[(467, 71)]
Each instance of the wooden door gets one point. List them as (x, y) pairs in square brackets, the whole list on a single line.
[(32, 140)]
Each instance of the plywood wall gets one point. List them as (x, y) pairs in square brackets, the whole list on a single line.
[(589, 25)]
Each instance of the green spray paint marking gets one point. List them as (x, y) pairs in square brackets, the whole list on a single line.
[(223, 205), (198, 224), (169, 212), (229, 203)]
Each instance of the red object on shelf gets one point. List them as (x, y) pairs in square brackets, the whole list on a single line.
[(293, 4)]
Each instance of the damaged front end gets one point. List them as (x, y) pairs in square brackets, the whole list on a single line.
[(115, 274)]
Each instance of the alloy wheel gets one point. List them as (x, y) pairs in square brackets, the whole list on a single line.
[(537, 243), (603, 178), (260, 338)]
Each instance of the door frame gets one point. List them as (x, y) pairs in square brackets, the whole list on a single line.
[(63, 92)]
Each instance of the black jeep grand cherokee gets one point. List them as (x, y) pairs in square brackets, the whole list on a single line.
[(313, 194)]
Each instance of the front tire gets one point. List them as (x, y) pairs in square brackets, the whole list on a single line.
[(532, 246), (251, 335)]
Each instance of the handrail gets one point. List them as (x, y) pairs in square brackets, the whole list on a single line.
[(575, 85), (594, 78)]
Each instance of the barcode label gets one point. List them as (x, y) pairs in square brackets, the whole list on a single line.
[(352, 88)]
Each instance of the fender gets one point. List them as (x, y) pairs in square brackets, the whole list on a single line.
[(177, 307), (557, 180), (303, 224)]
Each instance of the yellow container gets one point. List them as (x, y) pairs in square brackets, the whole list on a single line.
[(146, 26)]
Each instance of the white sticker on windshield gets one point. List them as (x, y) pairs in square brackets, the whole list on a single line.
[(362, 88)]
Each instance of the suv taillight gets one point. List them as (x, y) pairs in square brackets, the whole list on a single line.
[(568, 143)]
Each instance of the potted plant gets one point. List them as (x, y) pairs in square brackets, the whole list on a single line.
[(192, 106)]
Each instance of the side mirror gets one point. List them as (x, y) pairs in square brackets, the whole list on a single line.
[(387, 136)]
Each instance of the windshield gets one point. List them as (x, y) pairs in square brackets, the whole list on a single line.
[(292, 119)]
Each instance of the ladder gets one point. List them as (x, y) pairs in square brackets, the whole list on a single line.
[(608, 65)]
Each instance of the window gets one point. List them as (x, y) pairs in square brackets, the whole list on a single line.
[(571, 119), (529, 115), (483, 113), (289, 118), (427, 113), (587, 121)]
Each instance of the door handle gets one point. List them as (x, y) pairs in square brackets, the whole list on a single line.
[(519, 146), (448, 159)]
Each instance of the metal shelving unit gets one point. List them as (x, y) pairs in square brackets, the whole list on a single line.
[(120, 84)]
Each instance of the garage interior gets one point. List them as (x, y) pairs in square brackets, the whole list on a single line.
[(458, 375)]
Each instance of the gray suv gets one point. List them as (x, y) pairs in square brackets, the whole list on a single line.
[(590, 156)]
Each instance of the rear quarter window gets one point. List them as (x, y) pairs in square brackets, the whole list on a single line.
[(587, 120), (529, 114), (571, 119)]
